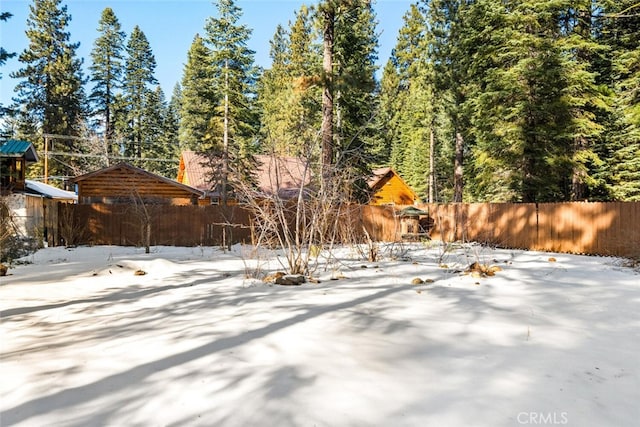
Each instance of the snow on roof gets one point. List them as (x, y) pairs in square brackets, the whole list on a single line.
[(49, 190)]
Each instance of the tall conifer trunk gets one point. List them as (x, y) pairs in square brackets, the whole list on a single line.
[(432, 166), (327, 93), (458, 178), (225, 136), (227, 238)]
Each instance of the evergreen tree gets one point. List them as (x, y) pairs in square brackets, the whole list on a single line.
[(235, 76), (387, 151), (139, 80), (4, 55), (171, 133), (408, 102), (518, 102), (106, 70), (275, 98), (159, 130), (290, 90), (20, 125), (198, 99), (304, 70), (51, 89), (327, 13), (622, 30), (348, 84), (355, 85), (588, 100), (451, 51)]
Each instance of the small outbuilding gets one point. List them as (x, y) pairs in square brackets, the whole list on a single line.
[(388, 188), (124, 183), (14, 158)]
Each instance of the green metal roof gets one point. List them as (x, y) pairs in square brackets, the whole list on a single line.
[(15, 148)]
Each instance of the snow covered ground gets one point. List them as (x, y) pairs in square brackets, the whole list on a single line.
[(86, 342)]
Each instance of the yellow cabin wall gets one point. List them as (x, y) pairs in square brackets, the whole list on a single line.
[(185, 179), (393, 191)]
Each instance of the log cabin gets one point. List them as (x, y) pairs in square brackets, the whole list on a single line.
[(388, 188), (124, 183)]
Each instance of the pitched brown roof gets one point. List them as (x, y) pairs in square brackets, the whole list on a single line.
[(284, 176), (273, 175), (194, 170)]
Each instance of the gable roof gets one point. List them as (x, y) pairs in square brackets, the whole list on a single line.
[(274, 175), (377, 175), (194, 170), (138, 171), (15, 148), (284, 176)]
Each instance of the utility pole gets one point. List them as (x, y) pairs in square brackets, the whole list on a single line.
[(46, 159)]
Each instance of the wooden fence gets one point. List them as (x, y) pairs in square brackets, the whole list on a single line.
[(123, 225), (582, 228), (585, 228)]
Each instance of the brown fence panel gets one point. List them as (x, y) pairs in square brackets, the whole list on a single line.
[(591, 228), (444, 218), (521, 230), (381, 223), (476, 217), (619, 230), (170, 225)]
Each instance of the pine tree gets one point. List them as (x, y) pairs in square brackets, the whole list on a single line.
[(51, 89), (275, 98), (588, 100), (409, 104), (198, 100), (523, 124), (152, 126), (388, 151), (304, 70), (622, 28), (20, 125), (139, 80), (171, 133), (355, 86), (327, 13), (348, 84), (106, 70), (449, 27), (235, 76), (4, 55), (290, 90)]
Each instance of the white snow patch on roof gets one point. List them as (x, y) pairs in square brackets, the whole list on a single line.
[(49, 190)]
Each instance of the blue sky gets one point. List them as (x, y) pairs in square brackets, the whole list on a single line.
[(170, 26)]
